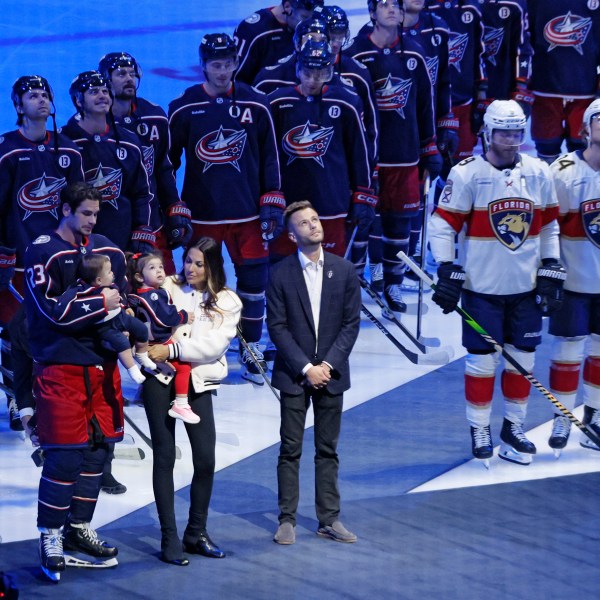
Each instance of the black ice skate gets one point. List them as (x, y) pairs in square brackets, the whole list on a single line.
[(591, 418), (81, 539), (393, 298), (51, 553), (561, 428), (481, 444), (250, 370), (515, 446)]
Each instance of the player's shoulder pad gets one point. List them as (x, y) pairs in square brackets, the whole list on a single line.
[(42, 239), (252, 19)]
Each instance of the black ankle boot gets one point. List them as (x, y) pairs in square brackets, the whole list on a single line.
[(204, 546)]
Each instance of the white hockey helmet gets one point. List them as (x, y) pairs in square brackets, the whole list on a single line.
[(590, 111), (503, 114)]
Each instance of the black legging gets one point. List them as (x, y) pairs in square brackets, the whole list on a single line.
[(157, 399)]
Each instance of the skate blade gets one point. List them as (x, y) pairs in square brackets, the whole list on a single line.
[(585, 442), (255, 378), (411, 309), (90, 562), (485, 462), (557, 452), (51, 575), (509, 454)]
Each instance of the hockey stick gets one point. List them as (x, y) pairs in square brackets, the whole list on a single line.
[(255, 360), (498, 348), (13, 290), (426, 186), (144, 437), (440, 357)]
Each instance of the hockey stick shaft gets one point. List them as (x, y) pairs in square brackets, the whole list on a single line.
[(490, 340), (255, 360), (15, 292), (426, 186)]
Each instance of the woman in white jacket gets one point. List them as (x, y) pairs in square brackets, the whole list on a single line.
[(200, 288)]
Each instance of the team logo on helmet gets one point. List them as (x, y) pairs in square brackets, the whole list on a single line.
[(457, 44), (41, 195), (433, 64), (511, 220), (392, 93), (492, 39), (567, 31), (307, 141), (108, 182), (223, 147), (148, 159), (590, 215)]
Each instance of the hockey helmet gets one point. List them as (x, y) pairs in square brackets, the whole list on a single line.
[(306, 4), (27, 83), (590, 111), (216, 46), (336, 17), (503, 114), (316, 56), (85, 81), (113, 60), (314, 25)]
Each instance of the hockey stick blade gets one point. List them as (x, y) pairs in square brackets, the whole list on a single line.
[(144, 437), (590, 433), (437, 358), (129, 453)]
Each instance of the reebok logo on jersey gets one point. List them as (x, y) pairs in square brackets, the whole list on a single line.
[(222, 147), (590, 215), (307, 141), (567, 31), (392, 93), (23, 158), (41, 195), (108, 182), (511, 220)]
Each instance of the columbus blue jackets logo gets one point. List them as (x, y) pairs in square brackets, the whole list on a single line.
[(108, 182), (511, 220), (433, 64), (392, 93), (590, 215), (492, 40), (307, 141), (457, 44), (567, 31), (223, 147), (148, 159), (41, 195)]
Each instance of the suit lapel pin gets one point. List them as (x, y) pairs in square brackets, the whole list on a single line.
[(329, 274)]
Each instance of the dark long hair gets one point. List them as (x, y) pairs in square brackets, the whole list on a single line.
[(216, 280)]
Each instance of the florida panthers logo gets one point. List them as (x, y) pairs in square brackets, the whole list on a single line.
[(41, 195), (223, 147), (108, 182), (511, 219), (433, 64), (457, 44), (148, 159), (590, 215), (567, 31), (392, 93), (492, 40), (307, 141)]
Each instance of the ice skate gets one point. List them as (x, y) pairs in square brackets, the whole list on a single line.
[(376, 271), (591, 418), (561, 428), (250, 371), (185, 413), (481, 444), (51, 553), (515, 446), (393, 297), (85, 549)]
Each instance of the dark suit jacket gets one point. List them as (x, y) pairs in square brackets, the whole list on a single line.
[(292, 329)]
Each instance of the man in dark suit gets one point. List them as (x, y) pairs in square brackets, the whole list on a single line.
[(313, 316)]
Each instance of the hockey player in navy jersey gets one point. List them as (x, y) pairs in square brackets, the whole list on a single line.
[(231, 182), (323, 149), (576, 326), (405, 102), (113, 163), (511, 276), (266, 36), (565, 37), (170, 217), (76, 381)]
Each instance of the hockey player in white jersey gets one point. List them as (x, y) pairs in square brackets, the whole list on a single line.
[(507, 204), (576, 326)]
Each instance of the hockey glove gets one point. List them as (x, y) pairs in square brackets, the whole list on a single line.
[(178, 224), (8, 260), (430, 161), (451, 278), (143, 239), (525, 99), (270, 212), (549, 288), (447, 135), (364, 202), (479, 108)]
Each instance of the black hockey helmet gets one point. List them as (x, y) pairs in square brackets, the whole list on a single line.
[(113, 60), (337, 20), (27, 83), (83, 82), (315, 24), (306, 4), (216, 46), (315, 55)]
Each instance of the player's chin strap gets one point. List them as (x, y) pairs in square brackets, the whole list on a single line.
[(255, 360), (498, 348)]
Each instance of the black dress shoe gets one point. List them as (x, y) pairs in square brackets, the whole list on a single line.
[(204, 546), (178, 562)]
